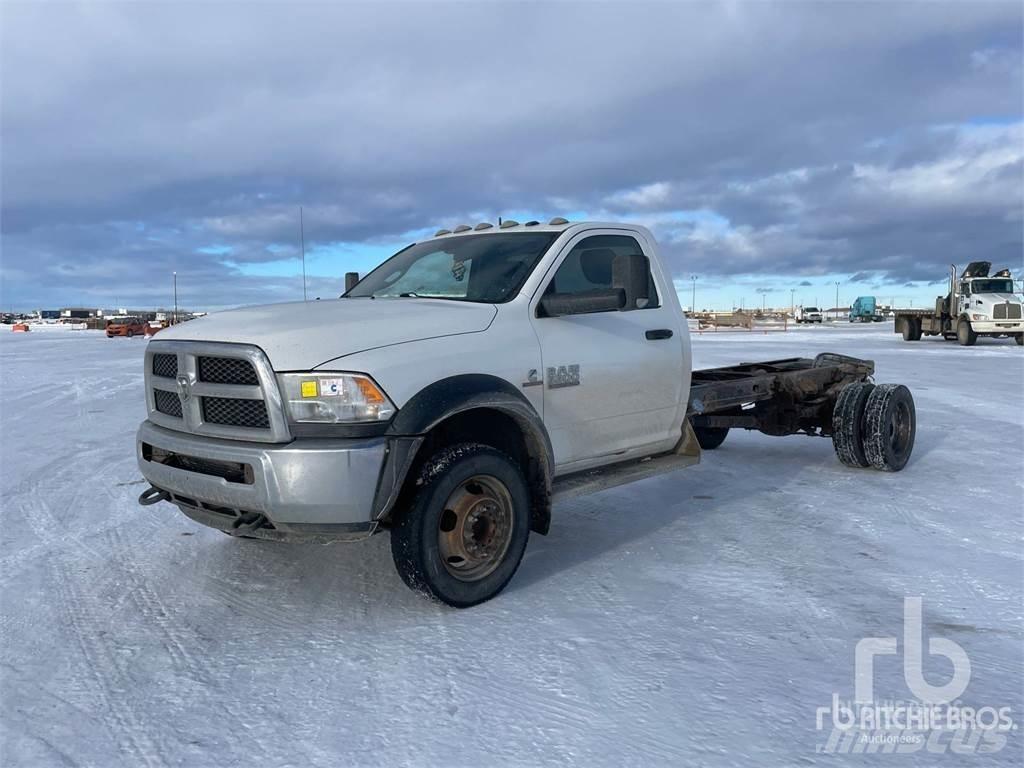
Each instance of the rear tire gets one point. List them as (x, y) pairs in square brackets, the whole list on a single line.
[(965, 334), (848, 424), (710, 438), (463, 535), (890, 425), (1019, 338), (908, 329)]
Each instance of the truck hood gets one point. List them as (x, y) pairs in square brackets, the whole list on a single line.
[(999, 298), (303, 335)]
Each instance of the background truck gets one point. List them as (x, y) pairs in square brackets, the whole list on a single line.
[(808, 315), (459, 389), (976, 305), (865, 310)]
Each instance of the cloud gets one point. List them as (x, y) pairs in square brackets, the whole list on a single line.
[(805, 283), (801, 140)]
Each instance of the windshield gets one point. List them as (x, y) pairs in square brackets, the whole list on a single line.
[(811, 309), (486, 268), (992, 286)]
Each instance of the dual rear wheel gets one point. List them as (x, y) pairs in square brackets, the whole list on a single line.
[(874, 426), (911, 329)]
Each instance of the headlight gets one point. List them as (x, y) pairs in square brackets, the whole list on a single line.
[(979, 317), (334, 398)]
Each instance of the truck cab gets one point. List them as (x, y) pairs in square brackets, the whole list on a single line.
[(988, 304), (558, 347), (865, 310)]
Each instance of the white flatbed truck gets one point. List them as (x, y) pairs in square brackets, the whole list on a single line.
[(976, 305), (455, 392)]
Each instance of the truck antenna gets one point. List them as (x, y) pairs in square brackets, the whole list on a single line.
[(302, 245)]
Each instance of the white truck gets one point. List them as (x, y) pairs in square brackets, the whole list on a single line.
[(461, 387), (976, 305), (809, 315)]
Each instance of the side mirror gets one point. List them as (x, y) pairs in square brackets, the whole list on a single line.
[(351, 278), (604, 300), (630, 275)]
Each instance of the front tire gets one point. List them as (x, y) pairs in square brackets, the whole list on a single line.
[(1019, 338), (463, 535), (965, 334)]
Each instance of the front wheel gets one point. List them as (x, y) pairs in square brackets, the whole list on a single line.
[(965, 334), (462, 536), (1019, 338)]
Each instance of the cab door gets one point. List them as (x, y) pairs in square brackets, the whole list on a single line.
[(613, 380)]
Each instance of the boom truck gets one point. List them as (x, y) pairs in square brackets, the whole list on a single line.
[(975, 305), (454, 394)]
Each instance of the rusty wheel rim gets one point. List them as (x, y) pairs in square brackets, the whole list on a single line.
[(475, 528)]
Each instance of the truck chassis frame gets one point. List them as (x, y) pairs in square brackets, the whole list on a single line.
[(778, 397)]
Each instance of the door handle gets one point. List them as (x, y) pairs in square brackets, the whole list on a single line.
[(659, 333)]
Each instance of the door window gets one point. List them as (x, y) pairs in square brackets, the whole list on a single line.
[(588, 267)]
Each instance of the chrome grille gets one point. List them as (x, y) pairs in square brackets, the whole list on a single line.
[(167, 402), (1006, 312), (214, 389), (227, 370), (166, 366), (250, 414)]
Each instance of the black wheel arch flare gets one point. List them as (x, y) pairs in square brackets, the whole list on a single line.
[(451, 396)]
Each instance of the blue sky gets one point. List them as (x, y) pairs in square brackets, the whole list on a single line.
[(768, 147)]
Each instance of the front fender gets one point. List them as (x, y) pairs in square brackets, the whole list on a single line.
[(446, 398)]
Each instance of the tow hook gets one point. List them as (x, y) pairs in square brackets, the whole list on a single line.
[(152, 495), (249, 521)]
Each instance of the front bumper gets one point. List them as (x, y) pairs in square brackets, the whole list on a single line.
[(998, 326), (309, 487)]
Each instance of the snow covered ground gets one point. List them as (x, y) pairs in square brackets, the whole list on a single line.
[(697, 618)]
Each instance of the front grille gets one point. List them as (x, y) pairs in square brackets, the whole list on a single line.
[(165, 365), (1006, 312), (234, 412), (227, 391), (227, 370), (167, 402)]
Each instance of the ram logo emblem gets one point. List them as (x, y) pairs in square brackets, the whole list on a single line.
[(184, 387)]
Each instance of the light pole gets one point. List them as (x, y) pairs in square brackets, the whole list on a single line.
[(792, 304), (764, 298), (175, 322), (693, 296), (837, 295)]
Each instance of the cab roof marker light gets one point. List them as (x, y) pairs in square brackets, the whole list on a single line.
[(508, 224), (483, 225), (531, 223), (462, 228), (557, 221), (442, 232)]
